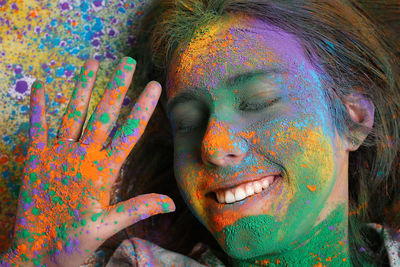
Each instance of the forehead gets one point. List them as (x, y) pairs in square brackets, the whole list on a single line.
[(233, 45)]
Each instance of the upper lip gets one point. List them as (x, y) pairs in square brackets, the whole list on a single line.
[(231, 183)]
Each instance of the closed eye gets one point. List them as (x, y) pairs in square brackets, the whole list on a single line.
[(253, 106), (188, 117)]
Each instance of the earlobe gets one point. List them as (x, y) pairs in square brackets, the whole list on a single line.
[(361, 111)]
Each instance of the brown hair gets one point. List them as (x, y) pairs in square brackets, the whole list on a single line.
[(343, 41)]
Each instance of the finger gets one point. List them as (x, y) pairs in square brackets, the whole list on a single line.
[(133, 210), (37, 118), (106, 113), (75, 114), (90, 233), (127, 135)]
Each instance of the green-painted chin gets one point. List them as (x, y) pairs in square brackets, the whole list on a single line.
[(261, 238), (251, 237)]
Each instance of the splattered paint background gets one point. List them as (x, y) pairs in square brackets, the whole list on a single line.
[(50, 40)]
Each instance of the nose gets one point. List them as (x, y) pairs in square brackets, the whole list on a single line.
[(221, 147)]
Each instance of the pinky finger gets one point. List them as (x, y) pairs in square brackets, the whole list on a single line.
[(129, 212), (37, 117)]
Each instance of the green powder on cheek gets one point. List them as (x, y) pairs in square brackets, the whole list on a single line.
[(33, 177)]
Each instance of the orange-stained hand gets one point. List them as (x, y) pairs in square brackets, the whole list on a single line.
[(64, 213)]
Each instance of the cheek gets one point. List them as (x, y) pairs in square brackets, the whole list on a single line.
[(304, 149), (188, 175)]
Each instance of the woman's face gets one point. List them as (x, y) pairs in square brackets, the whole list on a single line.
[(256, 155)]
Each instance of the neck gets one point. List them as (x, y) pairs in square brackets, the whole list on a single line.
[(325, 244)]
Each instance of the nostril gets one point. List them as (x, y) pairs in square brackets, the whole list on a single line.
[(233, 156)]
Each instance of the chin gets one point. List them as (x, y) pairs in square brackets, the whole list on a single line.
[(254, 236)]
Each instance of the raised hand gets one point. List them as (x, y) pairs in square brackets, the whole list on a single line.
[(64, 213)]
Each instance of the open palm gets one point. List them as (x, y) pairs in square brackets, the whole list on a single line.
[(64, 213)]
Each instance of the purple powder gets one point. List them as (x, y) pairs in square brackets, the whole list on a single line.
[(21, 87), (126, 101), (97, 3), (64, 6)]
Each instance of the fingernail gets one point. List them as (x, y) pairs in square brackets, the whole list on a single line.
[(156, 83), (168, 205), (130, 60), (37, 85)]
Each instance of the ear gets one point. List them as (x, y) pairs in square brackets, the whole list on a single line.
[(361, 110)]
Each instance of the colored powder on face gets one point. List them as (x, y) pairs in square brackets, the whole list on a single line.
[(251, 234), (33, 177), (35, 211)]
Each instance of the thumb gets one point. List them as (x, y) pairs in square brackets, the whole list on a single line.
[(133, 210)]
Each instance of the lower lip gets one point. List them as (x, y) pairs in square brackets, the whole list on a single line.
[(268, 194)]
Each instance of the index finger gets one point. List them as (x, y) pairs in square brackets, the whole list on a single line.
[(127, 135)]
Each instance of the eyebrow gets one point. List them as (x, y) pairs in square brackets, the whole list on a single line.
[(235, 80), (244, 77), (181, 98)]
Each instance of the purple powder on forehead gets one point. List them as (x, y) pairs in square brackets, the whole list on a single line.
[(21, 87), (22, 221)]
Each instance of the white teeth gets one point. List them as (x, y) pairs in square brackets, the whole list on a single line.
[(240, 194), (257, 187), (242, 191), (264, 183), (229, 196), (249, 189), (220, 196)]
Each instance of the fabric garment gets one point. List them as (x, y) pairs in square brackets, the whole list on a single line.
[(137, 252)]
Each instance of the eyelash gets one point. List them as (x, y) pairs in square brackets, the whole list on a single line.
[(186, 126), (244, 106), (252, 107), (187, 129)]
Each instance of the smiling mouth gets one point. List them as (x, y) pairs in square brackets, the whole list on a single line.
[(245, 190)]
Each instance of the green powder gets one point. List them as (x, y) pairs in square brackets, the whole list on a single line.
[(33, 177), (120, 208), (104, 118), (165, 206), (249, 239), (96, 216), (130, 60), (36, 211)]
